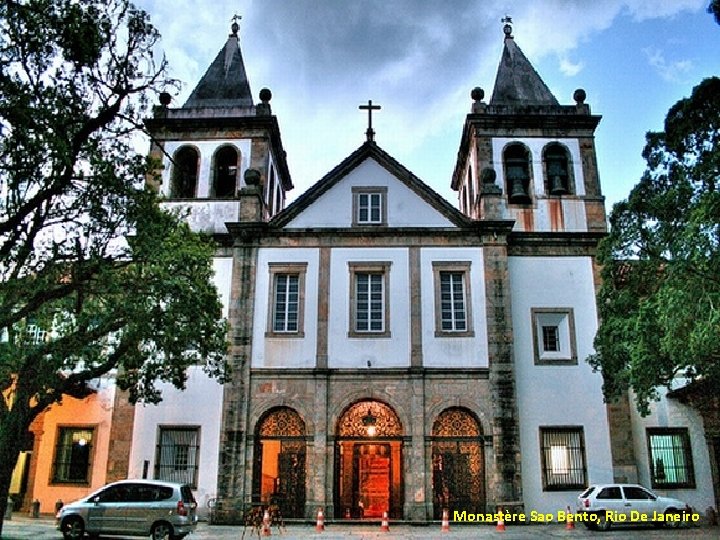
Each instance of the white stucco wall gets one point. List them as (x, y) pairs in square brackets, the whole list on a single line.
[(200, 404), (448, 351), (285, 352), (672, 413), (352, 352), (564, 395), (404, 207)]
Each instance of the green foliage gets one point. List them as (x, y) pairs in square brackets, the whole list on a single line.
[(660, 299), (86, 252)]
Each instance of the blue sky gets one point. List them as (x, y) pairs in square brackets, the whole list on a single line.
[(420, 59)]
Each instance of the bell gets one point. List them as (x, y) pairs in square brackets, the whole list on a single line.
[(557, 186), (518, 193)]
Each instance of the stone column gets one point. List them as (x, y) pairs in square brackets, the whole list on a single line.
[(415, 469), (506, 488)]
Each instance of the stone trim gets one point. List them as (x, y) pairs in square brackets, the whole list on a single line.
[(369, 190), (462, 267), (321, 355), (414, 283), (290, 268), (356, 268), (569, 360)]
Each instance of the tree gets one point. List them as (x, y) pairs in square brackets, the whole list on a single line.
[(714, 8), (660, 298), (87, 255)]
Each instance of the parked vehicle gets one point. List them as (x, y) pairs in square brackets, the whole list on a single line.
[(601, 506), (132, 507)]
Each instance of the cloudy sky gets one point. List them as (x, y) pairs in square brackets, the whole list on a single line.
[(419, 59)]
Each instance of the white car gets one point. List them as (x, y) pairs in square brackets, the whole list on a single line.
[(601, 506)]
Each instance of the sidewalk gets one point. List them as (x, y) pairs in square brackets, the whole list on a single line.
[(25, 528)]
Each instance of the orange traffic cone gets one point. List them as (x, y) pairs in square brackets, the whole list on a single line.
[(500, 523), (266, 524), (384, 525), (320, 524), (445, 527), (570, 521)]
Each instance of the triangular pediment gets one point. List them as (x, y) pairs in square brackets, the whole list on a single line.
[(332, 202)]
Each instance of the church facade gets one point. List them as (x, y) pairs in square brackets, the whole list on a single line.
[(391, 352)]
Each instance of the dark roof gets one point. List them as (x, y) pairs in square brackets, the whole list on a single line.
[(225, 83), (517, 82), (370, 149)]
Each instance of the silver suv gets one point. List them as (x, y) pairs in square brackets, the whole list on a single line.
[(601, 506), (132, 507)]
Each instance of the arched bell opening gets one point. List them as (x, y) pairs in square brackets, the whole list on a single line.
[(225, 169), (516, 161), (279, 467), (183, 183), (458, 462), (368, 462), (558, 177)]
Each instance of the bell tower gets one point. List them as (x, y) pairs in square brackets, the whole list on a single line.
[(219, 143), (525, 157)]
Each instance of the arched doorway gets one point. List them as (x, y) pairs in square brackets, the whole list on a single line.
[(458, 462), (368, 462), (279, 468)]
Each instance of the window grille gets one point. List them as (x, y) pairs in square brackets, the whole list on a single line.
[(563, 458), (671, 464), (177, 455), (551, 339)]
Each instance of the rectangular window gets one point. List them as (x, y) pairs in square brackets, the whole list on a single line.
[(369, 300), (562, 451), (551, 338), (553, 331), (73, 455), (287, 299), (177, 455), (452, 299), (369, 206), (670, 456)]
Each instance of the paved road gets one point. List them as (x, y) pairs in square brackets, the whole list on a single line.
[(23, 528)]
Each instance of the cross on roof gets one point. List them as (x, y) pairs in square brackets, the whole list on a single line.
[(235, 25), (370, 133)]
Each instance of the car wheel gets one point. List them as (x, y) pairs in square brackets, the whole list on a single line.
[(603, 523), (73, 528), (673, 519), (161, 531)]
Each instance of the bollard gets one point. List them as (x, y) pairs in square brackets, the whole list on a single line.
[(9, 509), (35, 509)]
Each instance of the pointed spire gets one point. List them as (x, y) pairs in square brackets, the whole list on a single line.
[(225, 82), (517, 82)]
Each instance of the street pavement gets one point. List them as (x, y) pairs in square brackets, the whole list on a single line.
[(24, 528)]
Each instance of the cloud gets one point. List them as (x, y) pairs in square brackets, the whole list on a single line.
[(569, 68), (671, 71)]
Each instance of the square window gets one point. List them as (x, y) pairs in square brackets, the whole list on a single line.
[(287, 300), (452, 299), (553, 331), (369, 206), (562, 451), (177, 455), (670, 457), (369, 308), (73, 455)]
